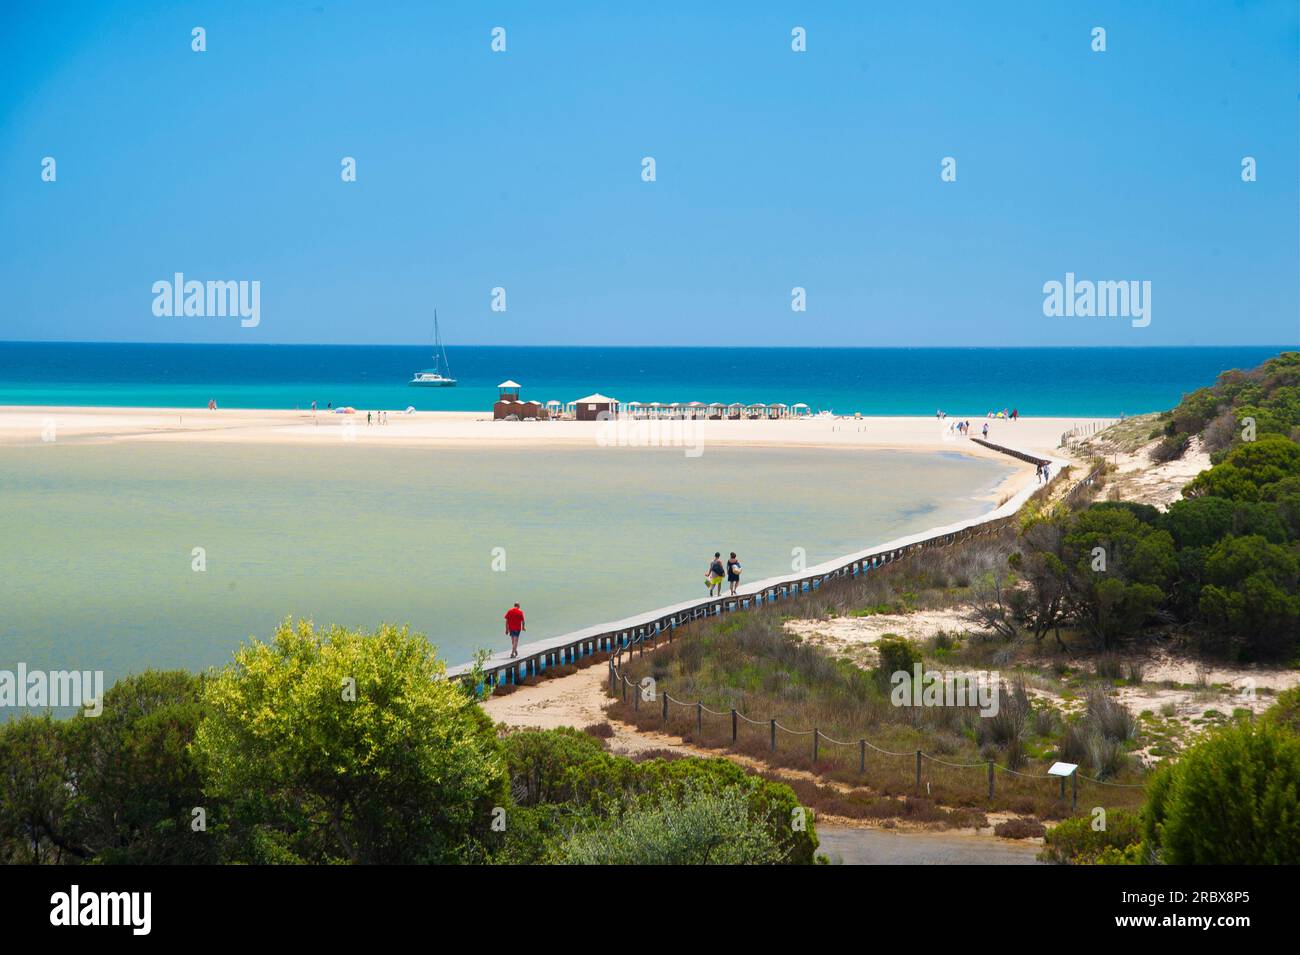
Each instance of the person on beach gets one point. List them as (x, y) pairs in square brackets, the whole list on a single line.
[(986, 430), (368, 419), (716, 574), (1015, 413), (514, 627), (733, 573)]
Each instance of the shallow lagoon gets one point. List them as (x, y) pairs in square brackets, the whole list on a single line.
[(97, 541)]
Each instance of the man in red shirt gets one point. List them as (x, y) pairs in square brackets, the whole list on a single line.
[(514, 626)]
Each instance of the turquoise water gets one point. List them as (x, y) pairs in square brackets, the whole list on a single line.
[(1104, 382), (97, 539)]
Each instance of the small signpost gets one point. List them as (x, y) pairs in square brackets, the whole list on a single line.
[(1072, 771)]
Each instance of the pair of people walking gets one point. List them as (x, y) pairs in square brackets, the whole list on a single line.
[(718, 572)]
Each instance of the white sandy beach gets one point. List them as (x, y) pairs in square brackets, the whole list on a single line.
[(28, 425)]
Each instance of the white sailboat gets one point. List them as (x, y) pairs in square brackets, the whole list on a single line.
[(434, 377)]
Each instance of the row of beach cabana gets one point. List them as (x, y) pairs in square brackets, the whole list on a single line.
[(715, 411), (596, 407)]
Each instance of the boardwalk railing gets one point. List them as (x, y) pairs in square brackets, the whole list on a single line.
[(649, 629)]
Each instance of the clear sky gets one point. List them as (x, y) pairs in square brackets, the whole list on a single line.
[(775, 169)]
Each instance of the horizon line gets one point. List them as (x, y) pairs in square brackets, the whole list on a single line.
[(39, 341)]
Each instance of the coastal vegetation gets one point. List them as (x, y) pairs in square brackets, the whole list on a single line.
[(338, 746), (1214, 577)]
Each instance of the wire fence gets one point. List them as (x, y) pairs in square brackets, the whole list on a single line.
[(890, 771)]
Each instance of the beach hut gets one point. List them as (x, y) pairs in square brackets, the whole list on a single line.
[(508, 404), (633, 409), (656, 409), (777, 410), (735, 410), (800, 410), (593, 407), (697, 409), (554, 408), (717, 410), (757, 410)]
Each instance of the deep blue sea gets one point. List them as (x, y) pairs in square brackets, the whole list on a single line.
[(873, 381)]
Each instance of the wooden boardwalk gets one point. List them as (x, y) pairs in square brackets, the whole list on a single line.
[(541, 655)]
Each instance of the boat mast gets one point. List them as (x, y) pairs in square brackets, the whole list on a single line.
[(437, 339)]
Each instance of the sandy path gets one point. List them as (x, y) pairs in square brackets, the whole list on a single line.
[(579, 701)]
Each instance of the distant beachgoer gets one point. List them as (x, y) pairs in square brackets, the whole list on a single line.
[(715, 575), (329, 405), (367, 419), (1015, 413), (733, 573), (313, 407), (1047, 472), (514, 627), (986, 429), (1038, 473)]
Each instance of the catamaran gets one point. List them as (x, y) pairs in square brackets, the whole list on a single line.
[(433, 377)]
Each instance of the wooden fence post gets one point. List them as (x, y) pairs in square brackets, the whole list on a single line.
[(665, 707), (699, 719), (815, 735), (918, 770), (733, 724), (774, 736), (990, 780), (862, 757)]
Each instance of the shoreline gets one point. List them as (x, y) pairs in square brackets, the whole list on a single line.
[(37, 424)]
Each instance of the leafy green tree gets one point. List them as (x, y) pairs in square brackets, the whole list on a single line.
[(1251, 593), (1233, 798), (1204, 521), (136, 782), (34, 793), (342, 745), (1250, 472), (1119, 568)]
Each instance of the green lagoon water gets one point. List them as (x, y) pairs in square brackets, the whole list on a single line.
[(96, 539)]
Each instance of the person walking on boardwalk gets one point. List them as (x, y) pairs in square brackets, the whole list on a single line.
[(715, 575), (514, 627), (733, 573)]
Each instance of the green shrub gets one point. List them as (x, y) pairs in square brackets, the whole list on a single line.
[(1078, 841), (1233, 798), (896, 656)]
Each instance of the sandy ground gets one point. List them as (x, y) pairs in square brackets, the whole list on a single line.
[(578, 701), (853, 636), (1127, 447), (1137, 479), (21, 425)]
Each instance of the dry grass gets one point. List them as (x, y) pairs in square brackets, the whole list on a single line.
[(748, 663)]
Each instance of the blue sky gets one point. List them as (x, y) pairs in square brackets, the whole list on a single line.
[(775, 169)]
